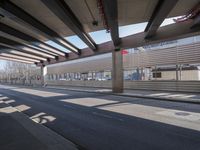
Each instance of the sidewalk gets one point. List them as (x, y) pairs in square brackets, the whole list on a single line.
[(161, 95), (18, 132)]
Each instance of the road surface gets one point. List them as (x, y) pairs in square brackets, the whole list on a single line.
[(106, 122)]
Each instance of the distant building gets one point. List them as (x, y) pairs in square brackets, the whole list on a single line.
[(185, 73)]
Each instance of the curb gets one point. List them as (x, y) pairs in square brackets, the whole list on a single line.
[(193, 101)]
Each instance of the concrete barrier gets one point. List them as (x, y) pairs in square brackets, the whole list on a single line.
[(185, 86)]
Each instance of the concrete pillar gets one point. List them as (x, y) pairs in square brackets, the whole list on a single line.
[(180, 78), (138, 73), (117, 72), (42, 75), (176, 72), (155, 72)]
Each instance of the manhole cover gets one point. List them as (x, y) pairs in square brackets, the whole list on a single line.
[(182, 114)]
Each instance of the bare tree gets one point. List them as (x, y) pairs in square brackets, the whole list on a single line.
[(15, 72)]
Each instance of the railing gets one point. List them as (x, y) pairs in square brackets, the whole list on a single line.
[(104, 84), (21, 82), (186, 86)]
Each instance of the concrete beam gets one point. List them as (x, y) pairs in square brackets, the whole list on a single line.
[(102, 48), (25, 47), (166, 33), (15, 59), (196, 22), (161, 11), (63, 11), (15, 56), (4, 52), (111, 15), (10, 10), (13, 50), (29, 39)]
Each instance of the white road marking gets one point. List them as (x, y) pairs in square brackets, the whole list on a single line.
[(185, 115), (184, 119)]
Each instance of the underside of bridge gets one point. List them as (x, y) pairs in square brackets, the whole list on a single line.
[(27, 26)]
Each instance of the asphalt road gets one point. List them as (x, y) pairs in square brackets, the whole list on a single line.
[(104, 122)]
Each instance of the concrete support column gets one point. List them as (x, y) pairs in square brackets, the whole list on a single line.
[(117, 72), (181, 67), (42, 75), (177, 72)]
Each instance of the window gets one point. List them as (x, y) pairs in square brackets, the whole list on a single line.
[(157, 75)]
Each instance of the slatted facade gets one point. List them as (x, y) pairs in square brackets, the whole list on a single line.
[(185, 54)]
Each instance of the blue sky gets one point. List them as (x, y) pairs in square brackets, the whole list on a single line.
[(101, 36)]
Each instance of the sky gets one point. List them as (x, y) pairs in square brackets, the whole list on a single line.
[(101, 36)]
